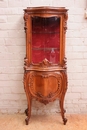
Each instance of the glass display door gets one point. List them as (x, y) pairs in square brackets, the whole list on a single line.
[(45, 39)]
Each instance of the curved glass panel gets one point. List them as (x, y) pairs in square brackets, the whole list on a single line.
[(45, 39)]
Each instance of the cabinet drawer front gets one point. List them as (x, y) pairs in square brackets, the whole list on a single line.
[(45, 84)]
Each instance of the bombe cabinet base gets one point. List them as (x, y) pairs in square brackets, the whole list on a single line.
[(45, 87)]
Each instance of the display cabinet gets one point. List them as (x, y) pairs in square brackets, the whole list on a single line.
[(45, 76)]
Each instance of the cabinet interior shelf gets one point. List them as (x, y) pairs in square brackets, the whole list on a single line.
[(45, 32), (46, 49)]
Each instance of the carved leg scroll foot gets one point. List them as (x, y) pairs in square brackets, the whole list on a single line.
[(65, 121), (28, 112), (62, 112), (27, 120)]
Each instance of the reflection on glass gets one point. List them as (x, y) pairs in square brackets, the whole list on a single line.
[(45, 39), (52, 56)]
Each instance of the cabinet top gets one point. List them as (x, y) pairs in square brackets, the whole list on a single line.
[(45, 8)]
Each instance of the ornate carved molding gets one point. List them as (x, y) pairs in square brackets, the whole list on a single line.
[(39, 95), (64, 63), (45, 75), (50, 95), (31, 81), (25, 18), (25, 63), (65, 22), (65, 26), (45, 63), (45, 99)]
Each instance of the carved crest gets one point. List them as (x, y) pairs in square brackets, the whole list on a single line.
[(45, 63)]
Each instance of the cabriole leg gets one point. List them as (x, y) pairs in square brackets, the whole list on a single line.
[(28, 112), (62, 112)]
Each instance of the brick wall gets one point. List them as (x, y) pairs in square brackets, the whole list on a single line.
[(12, 53)]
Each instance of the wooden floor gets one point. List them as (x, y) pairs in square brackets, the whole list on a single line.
[(43, 122)]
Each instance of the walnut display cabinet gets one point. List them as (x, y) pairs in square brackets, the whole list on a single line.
[(45, 76)]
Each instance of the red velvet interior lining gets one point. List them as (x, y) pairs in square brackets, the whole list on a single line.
[(45, 39)]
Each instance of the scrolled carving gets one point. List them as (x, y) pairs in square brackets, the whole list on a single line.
[(44, 101), (58, 84), (25, 28), (45, 75), (39, 94), (25, 18), (65, 22), (45, 63), (50, 95), (25, 63), (64, 63), (65, 26), (31, 81)]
